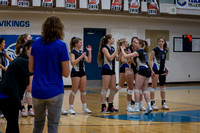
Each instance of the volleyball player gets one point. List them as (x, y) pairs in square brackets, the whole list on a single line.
[(159, 72), (78, 76), (133, 48), (3, 57), (144, 72), (106, 56), (21, 40)]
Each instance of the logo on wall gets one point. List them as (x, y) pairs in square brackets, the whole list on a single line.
[(188, 4), (153, 7), (24, 3), (94, 4), (48, 3), (182, 2), (10, 41), (117, 5), (14, 23), (72, 4), (134, 6)]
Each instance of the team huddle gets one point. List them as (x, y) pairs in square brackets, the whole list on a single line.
[(134, 66)]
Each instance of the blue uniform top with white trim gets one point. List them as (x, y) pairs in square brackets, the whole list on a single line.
[(159, 59), (79, 67), (109, 64), (142, 60)]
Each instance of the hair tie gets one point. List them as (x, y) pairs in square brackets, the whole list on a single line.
[(74, 37)]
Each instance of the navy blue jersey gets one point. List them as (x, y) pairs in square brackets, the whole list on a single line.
[(142, 59), (3, 62), (109, 64), (79, 66), (159, 59)]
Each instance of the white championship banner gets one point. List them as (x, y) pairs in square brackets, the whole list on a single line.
[(94, 4), (71, 4)]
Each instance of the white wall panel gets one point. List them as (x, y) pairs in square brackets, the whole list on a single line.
[(180, 64)]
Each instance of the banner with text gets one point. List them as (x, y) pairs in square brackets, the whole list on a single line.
[(117, 5), (24, 3), (94, 4), (72, 4), (5, 2), (188, 4), (10, 41), (134, 6), (153, 7), (48, 3)]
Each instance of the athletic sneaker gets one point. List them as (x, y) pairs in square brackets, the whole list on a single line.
[(63, 111), (111, 108), (149, 110), (104, 110), (165, 107), (23, 113), (30, 112), (130, 109), (136, 109), (71, 111), (154, 107), (142, 108), (86, 110)]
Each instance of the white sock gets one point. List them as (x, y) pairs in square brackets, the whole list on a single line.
[(137, 105), (129, 103), (141, 103), (148, 104), (84, 105), (71, 106)]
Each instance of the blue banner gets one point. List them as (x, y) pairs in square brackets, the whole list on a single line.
[(10, 41)]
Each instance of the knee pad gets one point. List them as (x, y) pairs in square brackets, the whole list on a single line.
[(136, 90), (73, 93), (130, 92), (83, 93), (28, 95), (104, 91), (145, 92), (153, 90), (163, 89), (112, 92), (118, 87)]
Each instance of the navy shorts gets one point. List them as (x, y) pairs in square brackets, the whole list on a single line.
[(77, 74), (162, 78), (122, 70), (134, 68), (107, 72), (146, 72)]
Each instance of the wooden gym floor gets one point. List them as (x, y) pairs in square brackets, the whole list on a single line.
[(183, 116)]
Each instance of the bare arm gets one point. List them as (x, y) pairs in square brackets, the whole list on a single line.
[(150, 59), (123, 60), (89, 58), (3, 68), (73, 61), (8, 57), (31, 64), (107, 54), (134, 54), (65, 68)]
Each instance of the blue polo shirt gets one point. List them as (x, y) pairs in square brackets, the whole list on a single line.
[(47, 72)]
